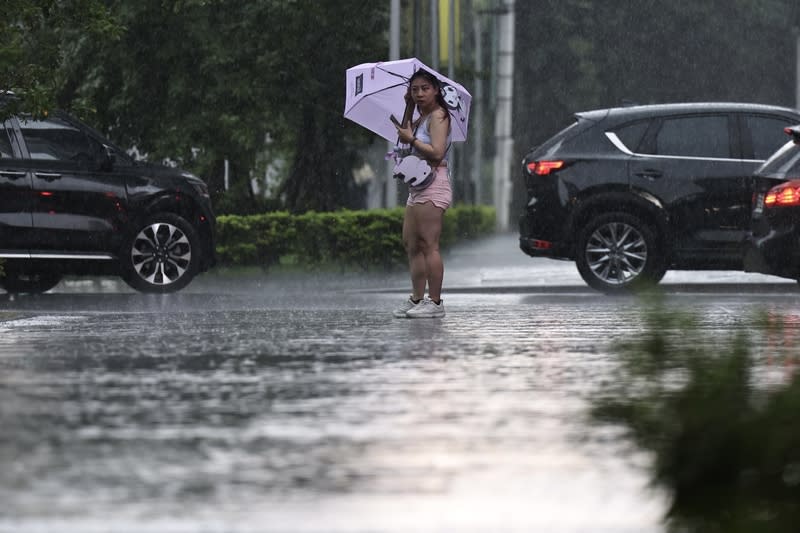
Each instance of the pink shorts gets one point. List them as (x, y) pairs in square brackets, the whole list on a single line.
[(439, 193)]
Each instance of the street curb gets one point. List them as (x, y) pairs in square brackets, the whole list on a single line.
[(788, 289)]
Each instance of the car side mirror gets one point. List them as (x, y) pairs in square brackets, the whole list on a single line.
[(794, 133), (106, 160)]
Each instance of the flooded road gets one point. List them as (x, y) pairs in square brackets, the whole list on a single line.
[(303, 406)]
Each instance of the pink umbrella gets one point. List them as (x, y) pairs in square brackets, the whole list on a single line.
[(375, 91)]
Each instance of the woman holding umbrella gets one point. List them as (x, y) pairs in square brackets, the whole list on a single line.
[(429, 139)]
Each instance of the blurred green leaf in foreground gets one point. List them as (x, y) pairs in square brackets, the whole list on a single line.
[(726, 444)]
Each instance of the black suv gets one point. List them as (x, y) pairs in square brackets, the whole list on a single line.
[(773, 245), (630, 192), (73, 203)]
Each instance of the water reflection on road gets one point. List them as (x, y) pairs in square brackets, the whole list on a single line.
[(266, 410)]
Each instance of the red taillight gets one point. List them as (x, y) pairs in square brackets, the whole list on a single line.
[(543, 168), (785, 194)]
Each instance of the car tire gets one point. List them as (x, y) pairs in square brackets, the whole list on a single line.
[(618, 253), (18, 282), (162, 255)]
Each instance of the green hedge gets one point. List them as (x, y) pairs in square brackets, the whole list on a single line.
[(363, 239)]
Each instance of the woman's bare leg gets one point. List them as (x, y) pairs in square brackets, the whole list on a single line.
[(427, 261), (416, 259)]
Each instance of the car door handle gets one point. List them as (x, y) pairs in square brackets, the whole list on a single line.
[(649, 174), (12, 174), (48, 176)]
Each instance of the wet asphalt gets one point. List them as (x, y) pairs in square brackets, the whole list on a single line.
[(262, 402)]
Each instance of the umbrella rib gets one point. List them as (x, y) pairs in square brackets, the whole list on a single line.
[(405, 80), (361, 99), (381, 90)]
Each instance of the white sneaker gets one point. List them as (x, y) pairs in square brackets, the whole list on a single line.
[(427, 309), (406, 306)]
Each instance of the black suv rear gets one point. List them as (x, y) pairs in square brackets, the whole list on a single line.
[(773, 245), (73, 203), (630, 192)]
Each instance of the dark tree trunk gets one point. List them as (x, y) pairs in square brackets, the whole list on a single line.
[(321, 178)]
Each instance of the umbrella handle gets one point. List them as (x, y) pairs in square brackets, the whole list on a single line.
[(408, 113)]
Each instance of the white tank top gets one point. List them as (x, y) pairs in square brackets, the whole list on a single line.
[(423, 133)]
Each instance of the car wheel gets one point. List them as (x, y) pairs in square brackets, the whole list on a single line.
[(29, 282), (162, 255), (618, 253)]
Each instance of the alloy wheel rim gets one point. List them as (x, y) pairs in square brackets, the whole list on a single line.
[(616, 253), (161, 253)]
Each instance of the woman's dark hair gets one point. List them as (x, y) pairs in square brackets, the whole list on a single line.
[(434, 81)]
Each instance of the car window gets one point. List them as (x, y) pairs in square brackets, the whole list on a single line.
[(702, 136), (5, 144), (767, 134), (631, 134), (56, 140), (559, 138)]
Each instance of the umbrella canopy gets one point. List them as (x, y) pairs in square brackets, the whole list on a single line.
[(375, 91)]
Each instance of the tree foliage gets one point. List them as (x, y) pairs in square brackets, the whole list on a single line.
[(588, 55), (202, 82), (205, 81), (324, 39), (35, 38)]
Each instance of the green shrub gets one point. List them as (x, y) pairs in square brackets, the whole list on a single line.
[(360, 239)]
